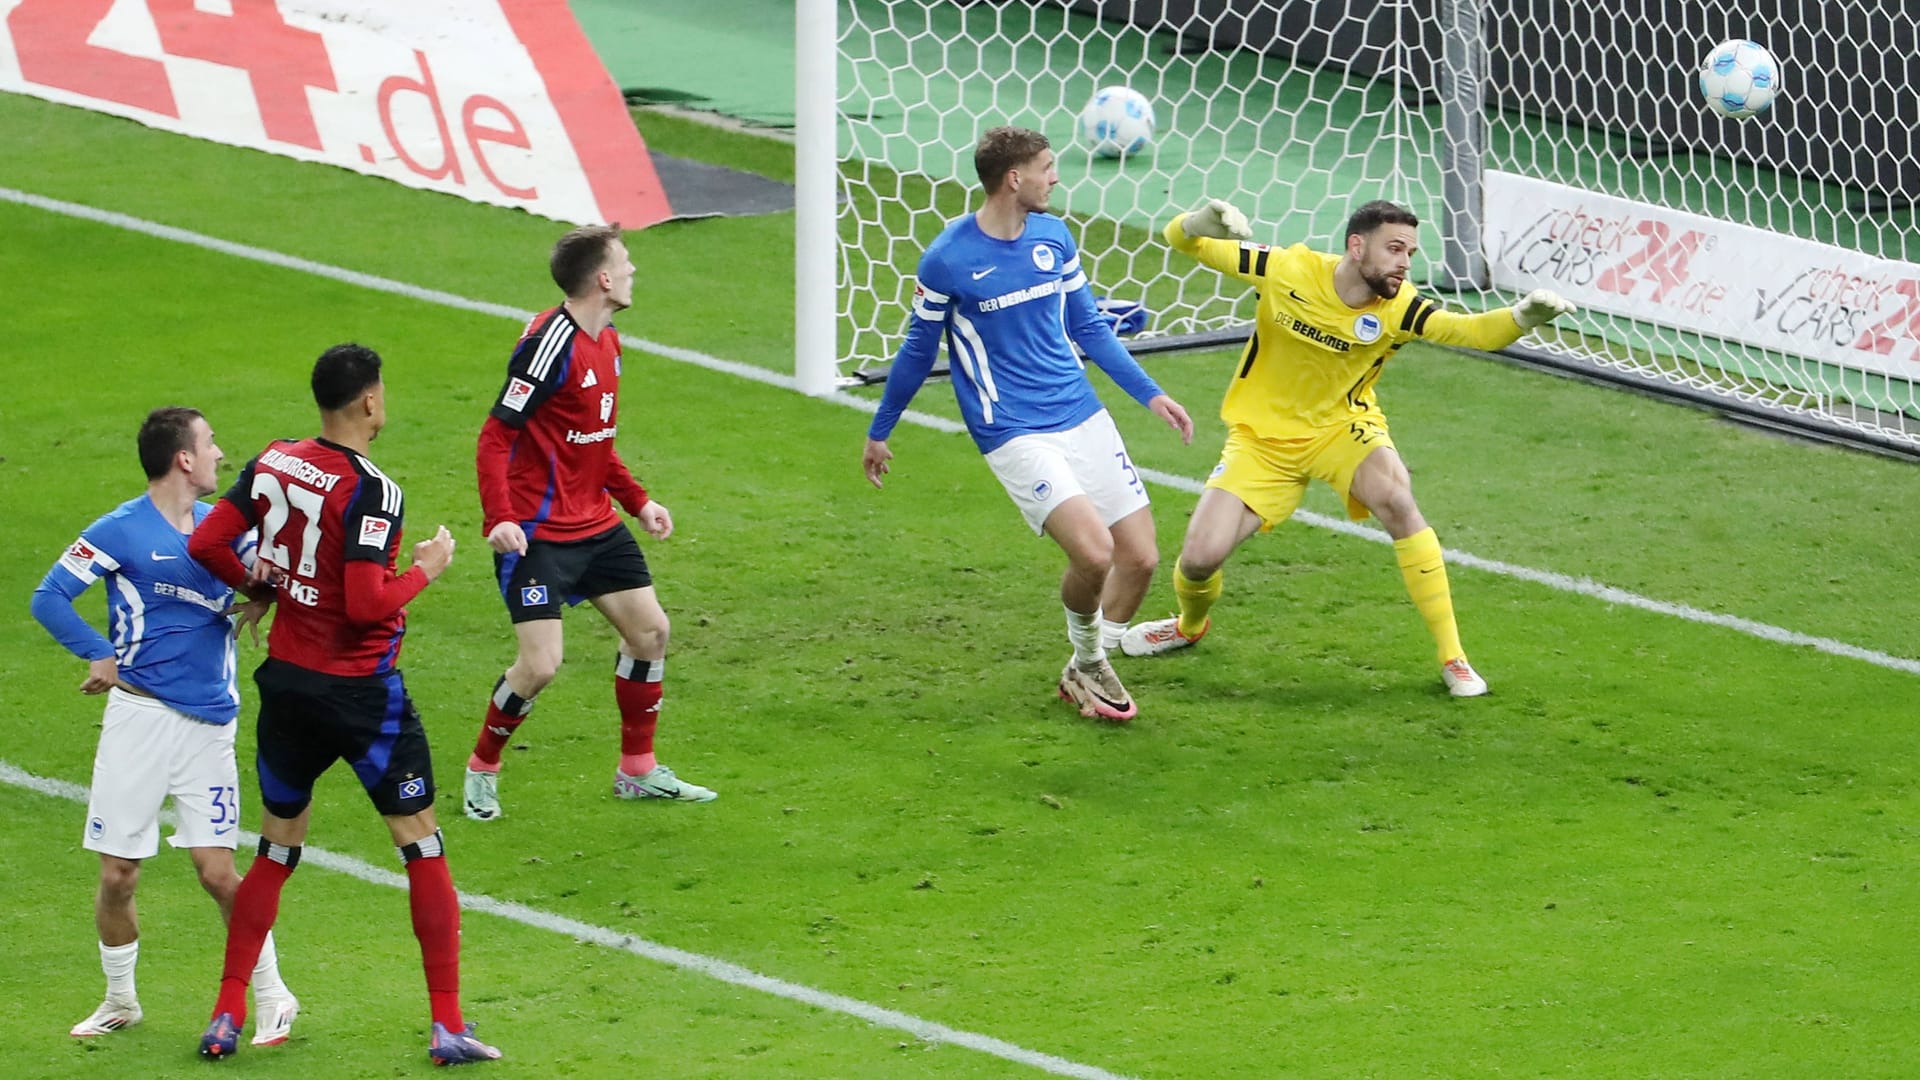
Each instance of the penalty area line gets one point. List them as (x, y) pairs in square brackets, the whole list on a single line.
[(695, 963), (1548, 578)]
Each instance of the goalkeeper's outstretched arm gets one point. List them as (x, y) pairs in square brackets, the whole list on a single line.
[(1216, 219), (1213, 233), (1540, 307), (1490, 330)]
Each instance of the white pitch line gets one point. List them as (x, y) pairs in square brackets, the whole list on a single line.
[(424, 295), (1588, 587), (1548, 578), (721, 970)]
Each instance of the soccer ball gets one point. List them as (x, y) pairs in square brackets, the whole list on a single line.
[(1118, 122), (1739, 78)]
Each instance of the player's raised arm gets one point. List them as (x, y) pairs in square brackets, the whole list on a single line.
[(1218, 235), (1216, 219), (1488, 330), (1540, 307)]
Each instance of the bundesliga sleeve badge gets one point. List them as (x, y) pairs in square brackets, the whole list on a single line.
[(519, 391), (374, 532)]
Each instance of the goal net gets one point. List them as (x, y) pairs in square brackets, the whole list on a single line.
[(1761, 266)]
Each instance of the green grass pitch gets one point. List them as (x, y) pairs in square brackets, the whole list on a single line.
[(1659, 849)]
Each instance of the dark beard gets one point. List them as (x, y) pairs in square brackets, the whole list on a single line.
[(1379, 286)]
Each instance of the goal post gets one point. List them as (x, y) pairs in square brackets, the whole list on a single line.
[(1463, 145), (1759, 267), (816, 168)]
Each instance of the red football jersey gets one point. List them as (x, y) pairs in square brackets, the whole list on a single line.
[(562, 398), (319, 506)]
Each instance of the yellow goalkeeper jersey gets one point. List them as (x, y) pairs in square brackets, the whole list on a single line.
[(1312, 360)]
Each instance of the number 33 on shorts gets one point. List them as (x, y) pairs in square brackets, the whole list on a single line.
[(1126, 467)]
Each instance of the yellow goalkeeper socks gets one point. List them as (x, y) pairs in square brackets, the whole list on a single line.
[(1425, 572), (1196, 599)]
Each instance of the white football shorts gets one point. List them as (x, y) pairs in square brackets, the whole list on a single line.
[(148, 751), (1042, 471)]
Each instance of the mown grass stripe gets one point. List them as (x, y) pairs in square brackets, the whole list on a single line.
[(1548, 578), (696, 963)]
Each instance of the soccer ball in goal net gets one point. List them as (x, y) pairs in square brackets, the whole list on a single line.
[(1739, 79), (1758, 265), (1117, 122)]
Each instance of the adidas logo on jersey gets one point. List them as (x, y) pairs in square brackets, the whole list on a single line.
[(591, 380)]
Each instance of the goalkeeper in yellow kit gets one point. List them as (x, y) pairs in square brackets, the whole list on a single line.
[(1301, 406)]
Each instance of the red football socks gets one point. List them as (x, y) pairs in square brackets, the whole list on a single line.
[(506, 711), (255, 906), (436, 922), (639, 715)]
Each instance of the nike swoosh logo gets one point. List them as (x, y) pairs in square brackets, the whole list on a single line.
[(1296, 296), (218, 831), (978, 274), (1094, 689), (157, 557)]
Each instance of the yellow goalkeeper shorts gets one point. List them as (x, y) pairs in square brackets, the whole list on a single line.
[(1270, 475)]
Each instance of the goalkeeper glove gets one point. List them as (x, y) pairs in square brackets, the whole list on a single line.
[(1218, 219), (1540, 307)]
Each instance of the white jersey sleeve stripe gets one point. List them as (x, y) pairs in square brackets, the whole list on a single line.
[(963, 358), (972, 352), (1074, 282), (559, 331), (131, 632), (230, 671), (1071, 268), (389, 491), (1066, 337)]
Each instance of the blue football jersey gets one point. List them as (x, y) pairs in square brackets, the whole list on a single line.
[(164, 609), (1010, 313)]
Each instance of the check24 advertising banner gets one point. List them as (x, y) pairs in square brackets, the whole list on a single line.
[(498, 101), (1690, 272)]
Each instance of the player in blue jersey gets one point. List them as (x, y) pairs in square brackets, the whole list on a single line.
[(1004, 288), (168, 673)]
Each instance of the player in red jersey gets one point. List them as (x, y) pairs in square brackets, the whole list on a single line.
[(549, 476), (329, 524)]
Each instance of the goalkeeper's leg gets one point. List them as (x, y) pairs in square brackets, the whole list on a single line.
[(1220, 522), (1381, 484)]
